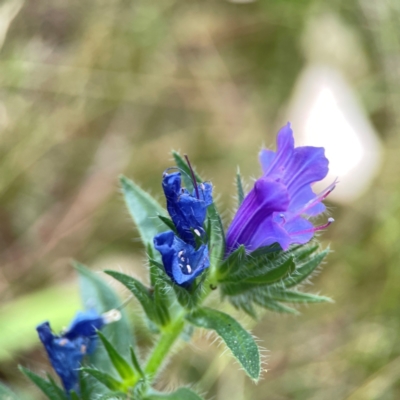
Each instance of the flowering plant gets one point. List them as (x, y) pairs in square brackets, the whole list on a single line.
[(267, 252)]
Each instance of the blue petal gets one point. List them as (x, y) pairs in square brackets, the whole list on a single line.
[(65, 355), (85, 323), (188, 212), (182, 262)]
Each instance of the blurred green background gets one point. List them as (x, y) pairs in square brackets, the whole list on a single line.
[(93, 89)]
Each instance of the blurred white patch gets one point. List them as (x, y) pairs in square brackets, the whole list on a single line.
[(325, 112)]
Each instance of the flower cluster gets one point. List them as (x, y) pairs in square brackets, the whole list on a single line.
[(182, 257), (276, 210)]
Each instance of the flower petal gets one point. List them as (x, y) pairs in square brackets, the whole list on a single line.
[(65, 355), (188, 212), (85, 323), (307, 165), (300, 230), (182, 262), (274, 163), (263, 200)]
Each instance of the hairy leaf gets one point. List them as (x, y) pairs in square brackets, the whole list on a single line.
[(144, 210), (273, 305), (106, 379), (96, 293), (232, 263), (239, 186), (238, 340), (296, 297), (135, 362), (304, 270), (48, 388), (139, 290), (123, 368)]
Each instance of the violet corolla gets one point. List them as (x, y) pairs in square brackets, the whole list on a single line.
[(183, 258), (67, 350), (277, 209)]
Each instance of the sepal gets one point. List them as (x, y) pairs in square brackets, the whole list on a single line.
[(189, 297), (125, 371), (263, 278), (48, 387), (239, 187)]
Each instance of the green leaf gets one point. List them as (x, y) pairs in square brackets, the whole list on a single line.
[(45, 386), (74, 396), (162, 298), (106, 379), (272, 275), (239, 186), (187, 299), (180, 394), (275, 306), (135, 362), (217, 235), (139, 290), (7, 394), (267, 250), (123, 368), (296, 297), (86, 386), (98, 294), (144, 210), (168, 223), (238, 340), (232, 263), (243, 303), (303, 251), (304, 270), (57, 388)]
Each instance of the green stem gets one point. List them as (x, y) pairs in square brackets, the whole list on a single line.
[(167, 339), (163, 347)]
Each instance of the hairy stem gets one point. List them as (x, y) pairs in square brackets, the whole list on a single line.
[(163, 347)]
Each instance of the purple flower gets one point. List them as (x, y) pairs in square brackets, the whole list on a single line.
[(182, 262), (66, 351), (187, 210), (277, 209)]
